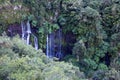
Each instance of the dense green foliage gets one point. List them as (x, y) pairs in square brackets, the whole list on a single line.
[(21, 62), (94, 25)]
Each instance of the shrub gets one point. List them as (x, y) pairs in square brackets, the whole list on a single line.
[(22, 62)]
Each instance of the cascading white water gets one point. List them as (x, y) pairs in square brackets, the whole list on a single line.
[(50, 39), (28, 27), (54, 44), (35, 42), (26, 33), (23, 30), (28, 39), (47, 49)]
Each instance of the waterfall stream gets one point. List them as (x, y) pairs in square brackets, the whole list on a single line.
[(35, 42), (54, 44), (23, 30), (47, 49), (26, 34)]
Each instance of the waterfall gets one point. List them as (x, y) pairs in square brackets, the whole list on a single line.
[(23, 30), (47, 50), (28, 39), (35, 42), (28, 27), (50, 46), (54, 44), (26, 33)]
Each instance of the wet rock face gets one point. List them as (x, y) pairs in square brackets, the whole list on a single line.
[(14, 29)]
